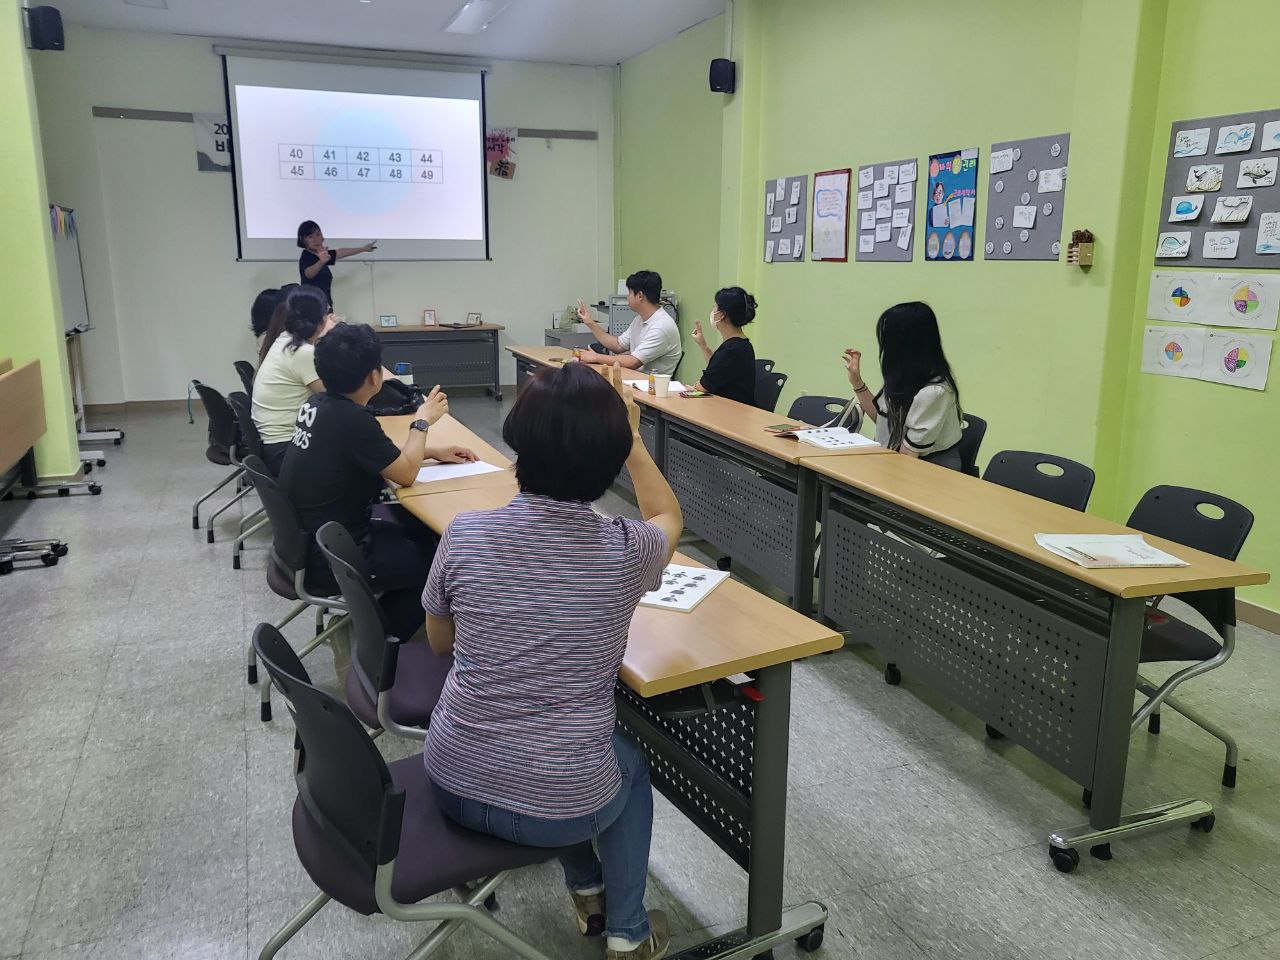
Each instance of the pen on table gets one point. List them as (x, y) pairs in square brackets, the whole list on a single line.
[(1081, 553)]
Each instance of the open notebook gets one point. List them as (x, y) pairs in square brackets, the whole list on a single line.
[(683, 588), (1098, 551)]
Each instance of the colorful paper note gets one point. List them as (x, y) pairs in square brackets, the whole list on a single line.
[(1172, 245), (1176, 296), (1185, 208), (1173, 351), (1257, 173), (1221, 244), (1191, 143), (1268, 233), (1271, 136), (1232, 210), (1235, 138), (1204, 178), (1236, 359)]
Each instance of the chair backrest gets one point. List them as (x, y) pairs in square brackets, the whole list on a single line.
[(764, 366), (288, 539), (249, 441), (819, 411), (343, 782), (374, 659), (222, 419), (1179, 514), (245, 369), (1042, 475), (975, 428), (768, 388)]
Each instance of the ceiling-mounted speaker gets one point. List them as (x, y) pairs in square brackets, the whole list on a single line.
[(722, 75), (44, 28)]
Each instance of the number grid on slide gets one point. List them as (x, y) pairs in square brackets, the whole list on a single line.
[(309, 161)]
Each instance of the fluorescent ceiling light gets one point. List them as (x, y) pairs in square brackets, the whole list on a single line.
[(476, 15), (156, 4)]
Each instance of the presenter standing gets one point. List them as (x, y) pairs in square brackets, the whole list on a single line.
[(316, 258)]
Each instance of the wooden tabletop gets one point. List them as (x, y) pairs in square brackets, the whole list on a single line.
[(22, 420), (727, 418), (436, 328), (1010, 520), (734, 630), (449, 432)]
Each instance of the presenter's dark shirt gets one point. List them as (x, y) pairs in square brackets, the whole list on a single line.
[(731, 371), (322, 280)]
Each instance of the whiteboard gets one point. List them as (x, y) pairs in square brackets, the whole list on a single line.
[(66, 258)]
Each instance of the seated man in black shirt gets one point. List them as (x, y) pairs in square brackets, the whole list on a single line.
[(336, 465), (731, 370)]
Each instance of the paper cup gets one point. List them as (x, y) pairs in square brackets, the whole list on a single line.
[(661, 384)]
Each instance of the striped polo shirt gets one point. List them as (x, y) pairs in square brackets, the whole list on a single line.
[(542, 593)]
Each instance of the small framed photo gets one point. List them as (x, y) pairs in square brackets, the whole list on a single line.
[(388, 320), (473, 320), (428, 318)]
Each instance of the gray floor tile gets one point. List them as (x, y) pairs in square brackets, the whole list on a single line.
[(1266, 947), (123, 881), (859, 927), (337, 933), (22, 865), (180, 937), (32, 801)]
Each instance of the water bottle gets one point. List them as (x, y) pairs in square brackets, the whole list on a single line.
[(404, 373)]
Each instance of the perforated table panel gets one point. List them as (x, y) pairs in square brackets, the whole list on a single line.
[(748, 511), (649, 434), (702, 764), (1018, 663)]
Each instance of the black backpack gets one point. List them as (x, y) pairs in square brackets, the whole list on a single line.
[(395, 399)]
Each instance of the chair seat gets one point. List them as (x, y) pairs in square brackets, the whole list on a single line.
[(435, 853), (1167, 638), (216, 453), (420, 676), (280, 582)]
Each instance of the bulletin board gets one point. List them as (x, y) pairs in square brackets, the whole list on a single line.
[(885, 211), (1025, 196), (1248, 157), (786, 205)]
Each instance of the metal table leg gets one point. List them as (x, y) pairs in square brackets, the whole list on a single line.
[(806, 519)]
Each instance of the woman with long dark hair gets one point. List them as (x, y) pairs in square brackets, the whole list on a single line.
[(287, 368), (917, 411), (731, 368)]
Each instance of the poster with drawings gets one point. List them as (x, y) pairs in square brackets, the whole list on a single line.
[(886, 211), (1025, 196), (683, 588), (1221, 203)]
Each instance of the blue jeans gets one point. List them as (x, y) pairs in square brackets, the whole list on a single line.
[(621, 829)]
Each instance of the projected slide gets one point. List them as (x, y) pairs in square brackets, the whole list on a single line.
[(365, 166)]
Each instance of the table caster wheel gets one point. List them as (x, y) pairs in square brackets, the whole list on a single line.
[(60, 550), (1204, 824), (95, 489), (6, 566), (892, 675), (724, 563), (101, 463), (31, 494), (48, 559), (993, 733), (811, 941), (1065, 860), (1101, 852), (88, 468), (64, 491)]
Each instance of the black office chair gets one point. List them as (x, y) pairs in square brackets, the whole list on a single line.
[(250, 442), (825, 411), (392, 685), (244, 369), (1179, 514), (287, 571), (371, 836), (768, 388), (223, 434), (1042, 475), (764, 366), (975, 428)]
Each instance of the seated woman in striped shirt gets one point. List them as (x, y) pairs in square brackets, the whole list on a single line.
[(535, 600)]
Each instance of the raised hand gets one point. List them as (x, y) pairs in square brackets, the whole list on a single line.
[(584, 312), (698, 336), (435, 406), (853, 367), (628, 398)]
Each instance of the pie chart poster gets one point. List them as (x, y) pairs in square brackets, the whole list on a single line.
[(951, 205)]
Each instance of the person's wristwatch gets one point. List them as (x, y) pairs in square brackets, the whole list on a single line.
[(420, 425)]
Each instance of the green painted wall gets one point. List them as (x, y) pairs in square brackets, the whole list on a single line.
[(1189, 432), (31, 321), (667, 149)]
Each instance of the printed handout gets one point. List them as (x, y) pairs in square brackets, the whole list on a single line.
[(1236, 359), (1173, 351), (1191, 143)]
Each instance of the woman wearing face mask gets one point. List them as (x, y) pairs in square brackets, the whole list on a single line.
[(731, 368)]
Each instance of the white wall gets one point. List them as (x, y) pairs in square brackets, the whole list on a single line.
[(166, 295)]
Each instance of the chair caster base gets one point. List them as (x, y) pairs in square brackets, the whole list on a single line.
[(1229, 776), (1153, 723), (892, 675), (264, 713), (208, 537), (1101, 851), (253, 673)]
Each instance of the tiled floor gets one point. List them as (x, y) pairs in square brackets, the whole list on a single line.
[(145, 809)]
